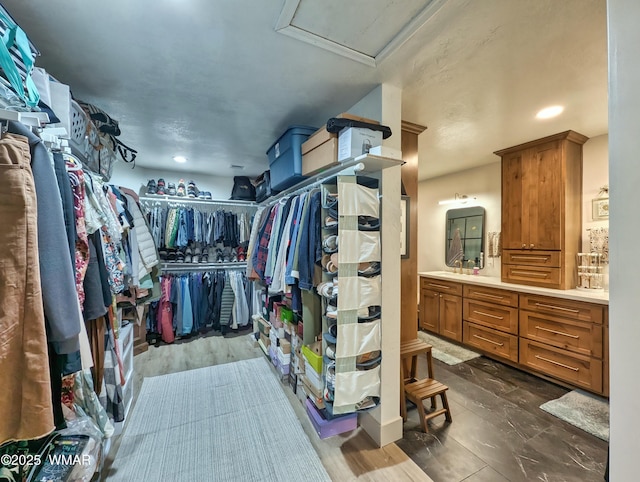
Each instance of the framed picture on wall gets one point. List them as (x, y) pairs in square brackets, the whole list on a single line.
[(600, 208), (404, 227)]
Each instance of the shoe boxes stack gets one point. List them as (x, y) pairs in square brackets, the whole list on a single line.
[(264, 330), (281, 335), (327, 427), (320, 151), (312, 379)]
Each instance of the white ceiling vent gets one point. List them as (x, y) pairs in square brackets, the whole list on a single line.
[(366, 31)]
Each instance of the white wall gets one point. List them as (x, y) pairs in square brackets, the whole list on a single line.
[(484, 183), (481, 182), (137, 178), (624, 177)]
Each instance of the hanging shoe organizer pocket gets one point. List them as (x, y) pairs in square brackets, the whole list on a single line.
[(357, 200), (359, 292), (358, 338), (354, 386), (359, 247)]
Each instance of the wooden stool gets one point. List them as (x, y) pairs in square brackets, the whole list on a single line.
[(418, 391), (410, 350)]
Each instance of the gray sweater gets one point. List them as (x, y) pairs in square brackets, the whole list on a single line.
[(57, 277)]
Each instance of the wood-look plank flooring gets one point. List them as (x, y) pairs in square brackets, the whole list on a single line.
[(499, 433), (350, 457)]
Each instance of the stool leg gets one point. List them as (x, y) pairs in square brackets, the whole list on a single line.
[(445, 405), (423, 416)]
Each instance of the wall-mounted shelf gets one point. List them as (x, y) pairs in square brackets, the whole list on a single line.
[(365, 164), (165, 198)]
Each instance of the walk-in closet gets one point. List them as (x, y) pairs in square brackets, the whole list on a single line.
[(294, 240)]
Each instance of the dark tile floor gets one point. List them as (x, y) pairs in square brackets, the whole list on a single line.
[(499, 432)]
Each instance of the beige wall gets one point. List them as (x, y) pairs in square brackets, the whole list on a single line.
[(484, 183)]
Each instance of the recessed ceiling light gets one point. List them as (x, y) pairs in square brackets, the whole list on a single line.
[(549, 112), (180, 159)]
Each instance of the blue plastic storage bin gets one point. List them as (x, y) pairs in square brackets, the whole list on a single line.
[(285, 157)]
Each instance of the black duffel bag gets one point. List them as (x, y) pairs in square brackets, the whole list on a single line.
[(243, 189), (263, 186)]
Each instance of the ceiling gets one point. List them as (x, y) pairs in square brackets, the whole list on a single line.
[(218, 81)]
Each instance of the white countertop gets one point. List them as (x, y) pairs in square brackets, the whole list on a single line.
[(598, 297)]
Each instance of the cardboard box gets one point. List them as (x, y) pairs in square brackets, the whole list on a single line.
[(285, 346), (313, 355), (265, 340), (356, 141), (319, 152), (263, 326)]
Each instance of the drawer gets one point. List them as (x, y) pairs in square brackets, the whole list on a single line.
[(528, 257), (503, 318), (577, 336), (578, 370), (441, 286), (575, 310), (531, 275), (491, 341), (491, 295)]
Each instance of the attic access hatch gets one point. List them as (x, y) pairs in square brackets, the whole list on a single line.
[(366, 31)]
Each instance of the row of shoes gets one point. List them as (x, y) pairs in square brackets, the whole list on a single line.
[(189, 190), (365, 223), (201, 255)]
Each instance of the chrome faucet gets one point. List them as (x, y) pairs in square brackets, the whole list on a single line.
[(457, 264)]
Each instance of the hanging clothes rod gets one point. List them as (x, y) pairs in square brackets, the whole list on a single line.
[(187, 267), (152, 198)]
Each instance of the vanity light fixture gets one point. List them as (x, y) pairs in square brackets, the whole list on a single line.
[(180, 159), (459, 199), (549, 112)]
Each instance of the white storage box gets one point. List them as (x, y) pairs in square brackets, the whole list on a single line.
[(356, 141)]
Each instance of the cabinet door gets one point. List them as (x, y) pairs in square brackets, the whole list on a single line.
[(451, 317), (544, 185), (429, 310), (513, 201)]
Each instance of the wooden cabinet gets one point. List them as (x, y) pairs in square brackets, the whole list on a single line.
[(491, 321), (441, 307), (541, 210), (564, 339)]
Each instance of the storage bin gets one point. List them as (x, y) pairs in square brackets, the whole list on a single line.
[(313, 357), (285, 157), (328, 428)]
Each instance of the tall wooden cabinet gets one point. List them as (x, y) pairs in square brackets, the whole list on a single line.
[(542, 210)]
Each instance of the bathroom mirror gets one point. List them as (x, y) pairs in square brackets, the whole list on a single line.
[(465, 236)]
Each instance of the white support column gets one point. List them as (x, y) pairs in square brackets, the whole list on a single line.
[(384, 423)]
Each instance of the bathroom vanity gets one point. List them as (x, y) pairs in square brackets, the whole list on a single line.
[(556, 334)]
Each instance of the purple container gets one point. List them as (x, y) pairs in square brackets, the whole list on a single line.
[(328, 428)]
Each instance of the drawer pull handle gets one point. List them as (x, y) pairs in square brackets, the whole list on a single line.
[(557, 332), (557, 363), (486, 295), (535, 274), (487, 339), (440, 286), (542, 305), (536, 258), (482, 313)]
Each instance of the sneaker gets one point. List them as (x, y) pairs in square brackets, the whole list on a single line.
[(160, 187), (152, 188), (192, 190), (207, 195), (241, 254), (368, 223), (182, 190), (330, 244), (171, 189), (188, 258), (201, 195), (369, 269), (234, 255)]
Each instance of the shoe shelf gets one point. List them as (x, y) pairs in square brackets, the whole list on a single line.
[(185, 200)]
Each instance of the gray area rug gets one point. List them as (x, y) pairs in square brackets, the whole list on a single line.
[(229, 422), (447, 352), (583, 410)]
